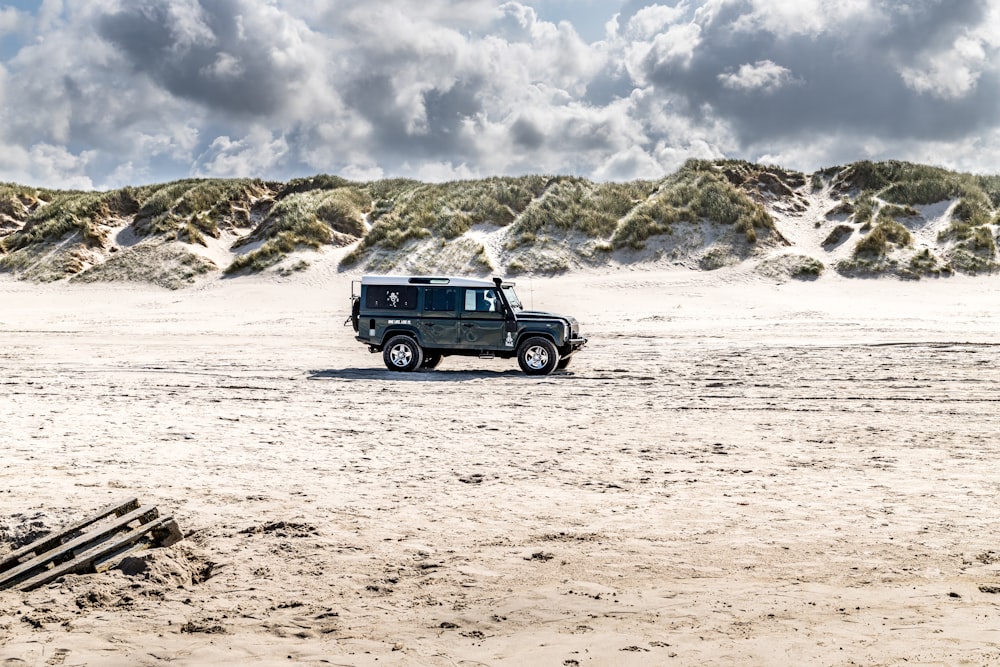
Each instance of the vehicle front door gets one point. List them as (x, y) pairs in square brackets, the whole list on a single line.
[(482, 323)]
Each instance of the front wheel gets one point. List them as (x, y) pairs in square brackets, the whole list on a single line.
[(431, 361), (564, 362), (402, 353), (537, 356)]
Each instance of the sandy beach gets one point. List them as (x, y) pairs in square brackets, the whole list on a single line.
[(733, 471)]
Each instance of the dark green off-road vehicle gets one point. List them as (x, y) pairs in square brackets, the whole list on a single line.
[(416, 321)]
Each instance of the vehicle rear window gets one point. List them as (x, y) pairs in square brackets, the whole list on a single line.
[(439, 299), (394, 297)]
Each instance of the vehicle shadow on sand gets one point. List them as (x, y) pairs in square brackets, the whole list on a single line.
[(419, 376)]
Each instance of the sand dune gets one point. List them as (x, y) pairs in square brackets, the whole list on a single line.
[(734, 471), (864, 219)]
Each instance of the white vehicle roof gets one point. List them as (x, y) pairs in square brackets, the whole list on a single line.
[(451, 281)]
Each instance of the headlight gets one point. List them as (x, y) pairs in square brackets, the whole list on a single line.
[(566, 332)]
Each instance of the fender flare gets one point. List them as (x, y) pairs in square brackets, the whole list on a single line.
[(401, 330)]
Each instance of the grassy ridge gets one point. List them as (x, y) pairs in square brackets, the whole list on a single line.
[(408, 210), (304, 218), (724, 208), (51, 215), (699, 191), (194, 209), (548, 210), (882, 197)]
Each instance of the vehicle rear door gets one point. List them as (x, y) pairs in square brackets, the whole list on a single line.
[(439, 324)]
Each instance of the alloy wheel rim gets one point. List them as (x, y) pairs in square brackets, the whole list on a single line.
[(537, 357), (401, 355)]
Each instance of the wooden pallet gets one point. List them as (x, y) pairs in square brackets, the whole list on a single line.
[(94, 544)]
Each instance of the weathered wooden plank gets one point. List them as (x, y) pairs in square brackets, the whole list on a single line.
[(84, 562), (163, 532), (66, 551), (53, 540)]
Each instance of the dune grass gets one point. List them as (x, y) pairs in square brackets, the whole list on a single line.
[(808, 267), (72, 212), (315, 214), (886, 233), (697, 192), (895, 212), (926, 263), (885, 193), (271, 252), (906, 182), (408, 210), (193, 208), (309, 213), (967, 259), (578, 205)]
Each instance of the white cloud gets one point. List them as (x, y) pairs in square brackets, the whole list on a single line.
[(439, 172), (362, 172), (11, 20), (962, 155), (226, 66), (764, 75), (671, 50), (516, 21), (806, 17), (628, 165), (50, 15), (672, 156), (259, 152), (654, 19), (188, 25), (123, 175), (837, 148), (52, 166), (952, 73), (443, 89), (676, 46)]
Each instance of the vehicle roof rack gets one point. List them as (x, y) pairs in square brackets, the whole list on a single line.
[(453, 281)]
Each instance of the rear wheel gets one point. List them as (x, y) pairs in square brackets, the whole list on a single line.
[(402, 353), (537, 356)]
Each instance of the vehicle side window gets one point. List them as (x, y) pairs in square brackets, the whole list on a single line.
[(439, 299), (481, 301), (401, 297)]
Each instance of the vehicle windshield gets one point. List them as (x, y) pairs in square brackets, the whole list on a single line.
[(515, 303)]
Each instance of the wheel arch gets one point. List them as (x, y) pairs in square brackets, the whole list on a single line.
[(400, 331), (525, 335)]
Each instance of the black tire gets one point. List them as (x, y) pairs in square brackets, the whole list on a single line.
[(431, 361), (355, 312), (564, 362), (402, 353), (537, 356)]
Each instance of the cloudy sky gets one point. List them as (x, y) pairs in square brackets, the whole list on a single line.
[(104, 93)]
